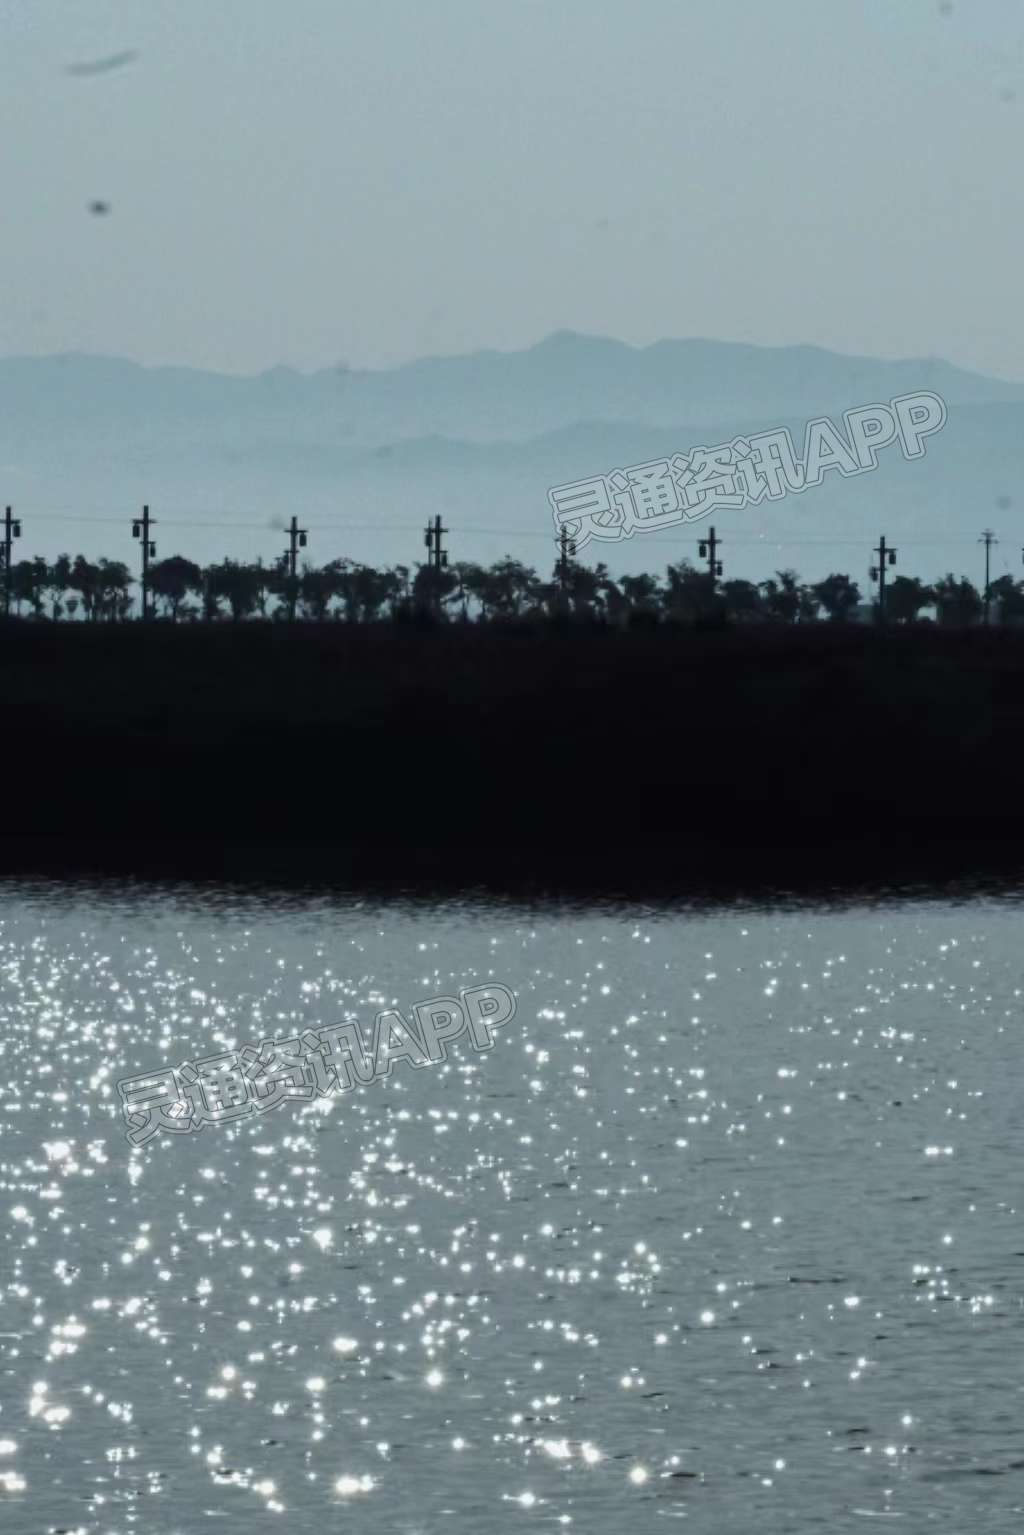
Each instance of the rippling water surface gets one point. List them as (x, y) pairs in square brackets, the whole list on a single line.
[(725, 1229)]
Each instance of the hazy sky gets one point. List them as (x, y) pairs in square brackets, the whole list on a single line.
[(314, 181)]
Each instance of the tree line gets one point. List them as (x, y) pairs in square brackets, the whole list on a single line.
[(180, 591)]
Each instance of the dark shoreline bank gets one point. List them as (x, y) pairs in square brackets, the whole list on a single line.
[(577, 761)]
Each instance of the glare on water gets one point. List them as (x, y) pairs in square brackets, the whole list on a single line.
[(722, 1228)]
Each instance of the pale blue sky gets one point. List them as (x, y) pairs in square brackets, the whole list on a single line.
[(314, 181)]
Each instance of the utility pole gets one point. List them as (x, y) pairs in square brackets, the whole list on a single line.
[(988, 538), (12, 530), (140, 529), (885, 556), (709, 552), (437, 556), (296, 541)]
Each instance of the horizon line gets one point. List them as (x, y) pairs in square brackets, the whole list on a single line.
[(552, 338)]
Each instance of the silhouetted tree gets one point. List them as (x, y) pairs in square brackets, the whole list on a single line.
[(263, 577), (582, 590), (905, 596), (549, 601), (239, 585), (808, 605), (347, 590), (742, 600), (957, 601), (781, 596), (642, 593), (473, 584), (512, 585), (689, 593), (431, 589), (379, 589), (84, 578), (58, 576), (172, 579), (610, 602), (1009, 595), (399, 588), (318, 588), (109, 585), (29, 580), (277, 581), (507, 589), (465, 574), (839, 596)]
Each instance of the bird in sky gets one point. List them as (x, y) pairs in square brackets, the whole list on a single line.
[(104, 66)]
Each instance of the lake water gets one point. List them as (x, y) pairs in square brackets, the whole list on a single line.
[(725, 1229)]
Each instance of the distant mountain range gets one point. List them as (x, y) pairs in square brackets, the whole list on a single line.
[(223, 460)]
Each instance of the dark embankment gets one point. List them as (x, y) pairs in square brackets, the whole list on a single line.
[(593, 760)]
